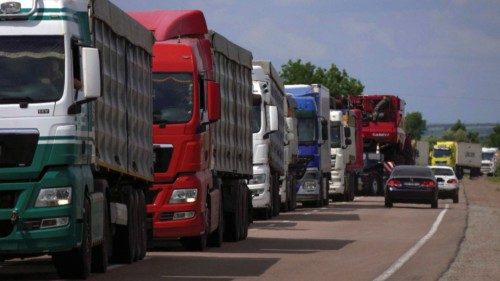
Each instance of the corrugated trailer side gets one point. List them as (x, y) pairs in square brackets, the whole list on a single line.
[(232, 133), (123, 118)]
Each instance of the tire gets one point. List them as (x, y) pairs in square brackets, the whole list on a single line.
[(326, 200), (374, 186), (388, 202), (100, 253), (350, 186), (124, 246), (142, 225), (455, 197), (215, 238), (233, 224), (76, 263), (292, 204), (276, 198), (434, 204)]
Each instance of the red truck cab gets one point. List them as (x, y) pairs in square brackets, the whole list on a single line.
[(182, 203)]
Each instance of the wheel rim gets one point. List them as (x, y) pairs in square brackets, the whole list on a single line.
[(374, 187)]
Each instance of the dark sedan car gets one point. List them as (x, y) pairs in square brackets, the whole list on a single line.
[(411, 184)]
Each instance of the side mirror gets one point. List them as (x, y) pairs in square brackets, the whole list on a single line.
[(213, 101), (91, 73), (348, 142), (273, 118), (290, 136)]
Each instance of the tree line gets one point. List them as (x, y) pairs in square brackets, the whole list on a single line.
[(342, 85)]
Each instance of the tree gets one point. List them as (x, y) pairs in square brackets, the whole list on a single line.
[(415, 125), (494, 137), (457, 126), (338, 82)]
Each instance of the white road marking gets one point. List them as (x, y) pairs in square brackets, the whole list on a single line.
[(410, 253)]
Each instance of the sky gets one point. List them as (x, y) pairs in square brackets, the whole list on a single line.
[(441, 56)]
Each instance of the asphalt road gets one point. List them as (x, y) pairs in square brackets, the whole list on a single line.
[(360, 240)]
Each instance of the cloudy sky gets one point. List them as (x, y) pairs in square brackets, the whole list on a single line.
[(441, 56)]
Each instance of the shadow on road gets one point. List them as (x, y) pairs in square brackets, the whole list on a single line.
[(326, 216), (29, 269)]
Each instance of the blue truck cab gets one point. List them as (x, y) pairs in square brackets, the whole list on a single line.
[(312, 114)]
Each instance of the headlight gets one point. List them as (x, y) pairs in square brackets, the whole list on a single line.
[(49, 197), (184, 196), (258, 179)]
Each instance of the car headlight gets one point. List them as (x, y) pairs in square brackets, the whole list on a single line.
[(258, 179), (187, 195), (50, 197)]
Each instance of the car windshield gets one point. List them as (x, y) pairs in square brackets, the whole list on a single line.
[(442, 172), (488, 155), (173, 102), (256, 118), (307, 130), (31, 68), (441, 152), (411, 171), (335, 136)]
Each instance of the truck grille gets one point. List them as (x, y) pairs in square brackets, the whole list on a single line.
[(8, 199), (163, 155), (6, 228), (17, 147)]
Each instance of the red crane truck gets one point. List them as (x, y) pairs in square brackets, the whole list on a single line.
[(385, 141), (202, 131)]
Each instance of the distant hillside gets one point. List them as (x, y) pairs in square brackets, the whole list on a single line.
[(437, 130)]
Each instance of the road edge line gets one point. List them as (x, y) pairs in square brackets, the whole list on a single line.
[(413, 250)]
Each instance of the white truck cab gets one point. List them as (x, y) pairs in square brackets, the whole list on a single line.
[(489, 161)]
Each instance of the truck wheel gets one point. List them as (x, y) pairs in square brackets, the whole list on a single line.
[(142, 227), (76, 263), (125, 241), (326, 196), (232, 220), (215, 238), (101, 251), (292, 203), (374, 186), (276, 198)]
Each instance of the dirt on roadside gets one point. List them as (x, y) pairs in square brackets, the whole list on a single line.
[(479, 255)]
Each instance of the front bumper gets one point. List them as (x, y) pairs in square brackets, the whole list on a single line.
[(261, 198)]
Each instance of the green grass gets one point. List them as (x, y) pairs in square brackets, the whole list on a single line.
[(496, 179)]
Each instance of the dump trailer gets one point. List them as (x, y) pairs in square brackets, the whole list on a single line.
[(201, 131), (313, 118), (75, 133), (268, 126)]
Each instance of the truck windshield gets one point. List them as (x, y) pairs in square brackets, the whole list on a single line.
[(441, 152), (488, 155), (335, 137), (307, 130), (31, 68), (173, 97), (256, 118)]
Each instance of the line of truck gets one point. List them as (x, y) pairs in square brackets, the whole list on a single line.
[(117, 130)]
